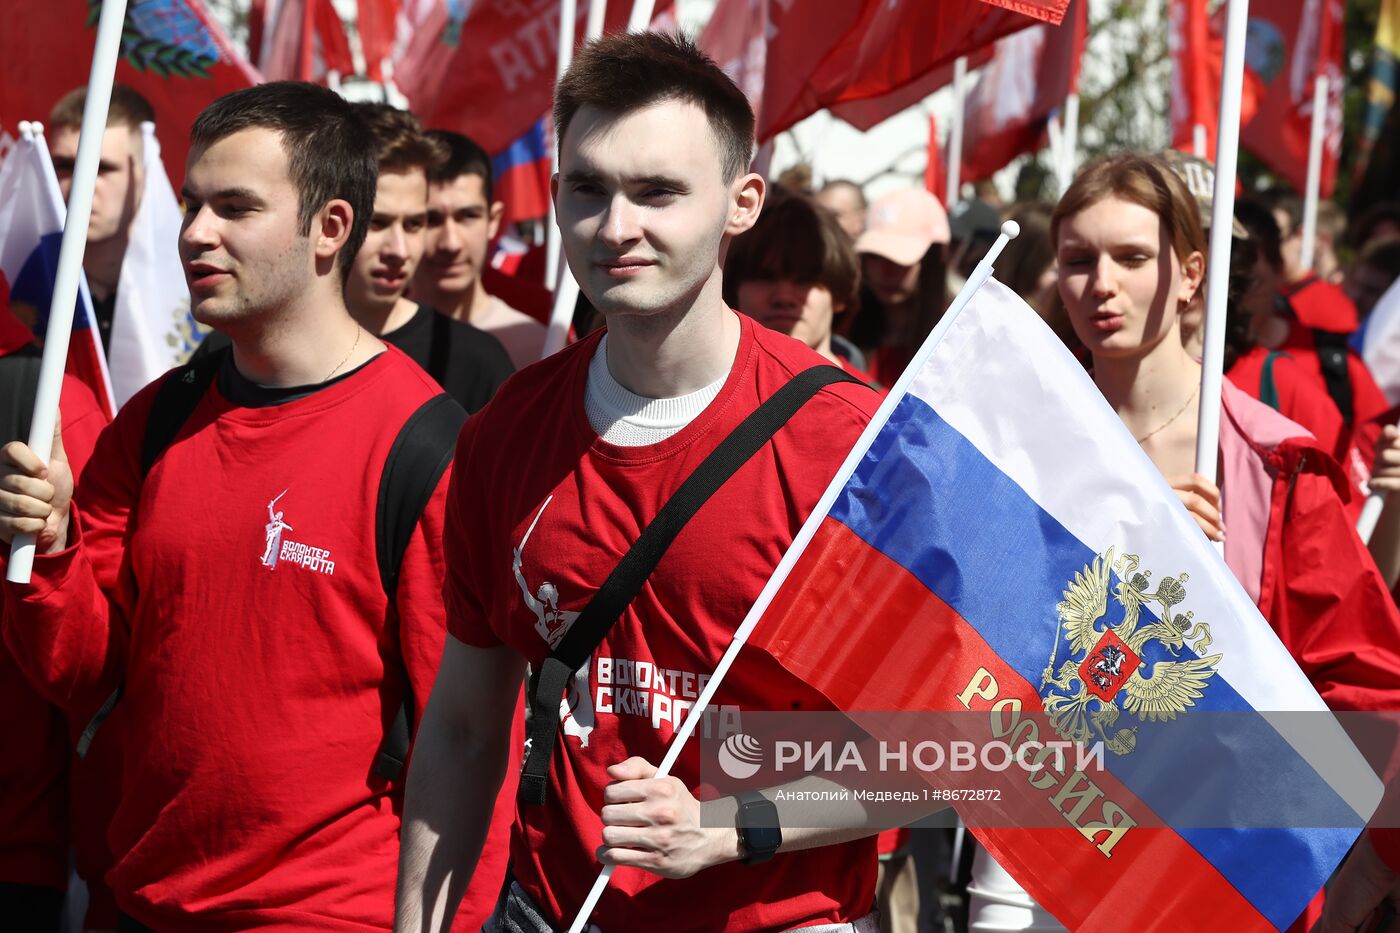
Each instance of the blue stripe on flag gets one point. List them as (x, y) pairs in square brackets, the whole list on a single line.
[(931, 501)]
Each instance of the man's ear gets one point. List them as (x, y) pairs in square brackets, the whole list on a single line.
[(493, 219), (745, 204), (331, 228)]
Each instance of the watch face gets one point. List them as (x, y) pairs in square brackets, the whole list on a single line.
[(762, 839)]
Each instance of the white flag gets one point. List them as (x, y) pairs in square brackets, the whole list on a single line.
[(152, 328)]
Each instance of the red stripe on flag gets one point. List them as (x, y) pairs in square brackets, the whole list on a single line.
[(890, 644)]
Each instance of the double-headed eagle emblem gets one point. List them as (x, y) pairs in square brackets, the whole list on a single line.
[(1106, 660)]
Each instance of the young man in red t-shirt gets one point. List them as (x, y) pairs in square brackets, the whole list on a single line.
[(553, 482), (233, 589)]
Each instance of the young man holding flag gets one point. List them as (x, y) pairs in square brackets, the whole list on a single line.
[(264, 647), (578, 454)]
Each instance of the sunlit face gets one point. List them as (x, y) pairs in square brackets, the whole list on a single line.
[(892, 283), (643, 206), (461, 225), (803, 311), (394, 244), (241, 241), (120, 175), (1290, 245), (1121, 283)]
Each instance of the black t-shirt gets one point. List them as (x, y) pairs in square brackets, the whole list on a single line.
[(466, 361)]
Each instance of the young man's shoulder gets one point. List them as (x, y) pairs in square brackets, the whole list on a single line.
[(781, 357)]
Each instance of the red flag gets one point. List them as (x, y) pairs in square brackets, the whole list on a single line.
[(376, 24), (935, 172), (864, 115), (1290, 43), (491, 75), (1195, 83), (821, 55), (1028, 79), (306, 42), (172, 52)]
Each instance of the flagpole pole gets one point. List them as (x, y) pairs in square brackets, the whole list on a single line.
[(564, 55), (1222, 214), (1198, 140), (70, 257), (1009, 230), (955, 133), (597, 13), (1069, 150), (1314, 182)]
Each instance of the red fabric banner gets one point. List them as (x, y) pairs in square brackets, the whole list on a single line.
[(173, 53), (491, 76), (1290, 43), (1030, 75)]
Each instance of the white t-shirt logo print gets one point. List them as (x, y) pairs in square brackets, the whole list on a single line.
[(551, 622), (275, 527)]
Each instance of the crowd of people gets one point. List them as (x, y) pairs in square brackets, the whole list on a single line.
[(295, 610)]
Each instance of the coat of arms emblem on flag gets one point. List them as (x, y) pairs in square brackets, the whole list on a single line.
[(1110, 661)]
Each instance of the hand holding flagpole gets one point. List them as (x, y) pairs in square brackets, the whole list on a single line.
[(955, 132), (1009, 230), (70, 257), (1222, 220)]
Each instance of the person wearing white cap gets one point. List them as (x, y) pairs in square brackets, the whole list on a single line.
[(903, 268)]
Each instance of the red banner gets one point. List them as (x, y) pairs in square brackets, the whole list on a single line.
[(814, 55), (491, 76), (1290, 43), (172, 52), (1030, 75)]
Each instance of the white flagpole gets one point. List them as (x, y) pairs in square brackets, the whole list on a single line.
[(597, 13), (568, 18), (955, 132), (1009, 230), (642, 11), (1069, 150), (1222, 220), (1314, 182), (1198, 140), (70, 257), (1370, 516)]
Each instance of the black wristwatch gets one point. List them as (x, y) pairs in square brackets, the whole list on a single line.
[(757, 823)]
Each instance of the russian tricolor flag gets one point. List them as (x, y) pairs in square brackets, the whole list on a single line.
[(521, 175), (31, 230), (998, 543)]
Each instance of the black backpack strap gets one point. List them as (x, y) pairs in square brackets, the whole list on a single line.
[(19, 384), (176, 399), (419, 456), (548, 683), (1333, 356)]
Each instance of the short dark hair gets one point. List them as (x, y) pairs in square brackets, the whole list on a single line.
[(329, 154), (794, 240), (464, 157), (398, 138), (628, 71), (1258, 219), (128, 108)]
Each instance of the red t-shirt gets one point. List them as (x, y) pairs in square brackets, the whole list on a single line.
[(1322, 305), (34, 821), (237, 592), (534, 450)]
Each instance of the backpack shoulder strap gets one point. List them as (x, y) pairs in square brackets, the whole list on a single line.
[(1268, 387), (175, 401), (419, 456), (1333, 355), (606, 606)]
